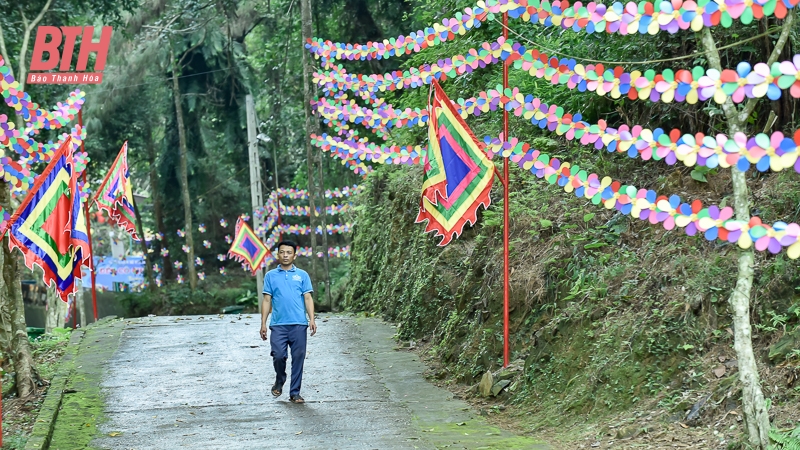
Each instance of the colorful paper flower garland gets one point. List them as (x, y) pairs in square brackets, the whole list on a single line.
[(622, 18), (305, 229), (671, 212), (690, 86), (363, 150), (767, 152), (37, 118), (713, 222), (302, 194)]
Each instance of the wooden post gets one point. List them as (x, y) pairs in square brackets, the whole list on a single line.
[(277, 186), (255, 179)]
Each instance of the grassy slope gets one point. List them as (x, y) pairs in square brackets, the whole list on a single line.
[(605, 311)]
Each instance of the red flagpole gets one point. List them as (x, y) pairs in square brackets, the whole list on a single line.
[(505, 209), (89, 234)]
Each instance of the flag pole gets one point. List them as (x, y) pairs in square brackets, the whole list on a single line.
[(89, 233), (505, 208)]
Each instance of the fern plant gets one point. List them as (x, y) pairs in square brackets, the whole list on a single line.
[(784, 439)]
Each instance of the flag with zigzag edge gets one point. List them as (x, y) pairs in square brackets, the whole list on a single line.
[(49, 227), (247, 247), (458, 174), (115, 194)]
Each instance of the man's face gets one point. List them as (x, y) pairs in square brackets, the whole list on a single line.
[(286, 255)]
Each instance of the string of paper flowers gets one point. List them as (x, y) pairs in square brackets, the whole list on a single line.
[(622, 18), (363, 150), (302, 194), (766, 152), (36, 117), (715, 223), (690, 86), (305, 229)]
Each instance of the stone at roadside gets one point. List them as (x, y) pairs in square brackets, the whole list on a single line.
[(627, 432), (785, 345), (508, 373), (499, 386), (485, 387)]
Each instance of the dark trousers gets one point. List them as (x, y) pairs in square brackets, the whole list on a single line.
[(293, 336)]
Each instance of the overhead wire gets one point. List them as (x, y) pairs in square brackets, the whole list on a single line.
[(651, 61), (160, 81)]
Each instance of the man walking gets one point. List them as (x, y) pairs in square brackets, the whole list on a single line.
[(287, 295)]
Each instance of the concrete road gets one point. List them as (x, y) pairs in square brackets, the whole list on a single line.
[(204, 383)]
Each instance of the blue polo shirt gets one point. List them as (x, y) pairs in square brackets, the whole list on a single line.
[(287, 288)]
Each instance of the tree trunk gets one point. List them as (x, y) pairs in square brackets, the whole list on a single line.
[(79, 303), (148, 269), (183, 174), (753, 404), (26, 375), (6, 329), (312, 126), (157, 207), (51, 318), (323, 223)]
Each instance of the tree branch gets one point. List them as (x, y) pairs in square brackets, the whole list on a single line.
[(193, 48), (788, 23), (23, 52), (715, 62), (4, 52)]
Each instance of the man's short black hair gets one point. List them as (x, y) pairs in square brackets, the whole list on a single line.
[(292, 244)]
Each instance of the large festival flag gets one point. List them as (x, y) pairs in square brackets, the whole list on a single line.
[(115, 194), (247, 247), (49, 227), (458, 174)]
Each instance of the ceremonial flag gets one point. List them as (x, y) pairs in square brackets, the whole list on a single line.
[(458, 174), (247, 247), (115, 194), (49, 227)]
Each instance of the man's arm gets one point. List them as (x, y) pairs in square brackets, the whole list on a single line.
[(312, 324), (266, 309)]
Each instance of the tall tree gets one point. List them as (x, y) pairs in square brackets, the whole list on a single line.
[(753, 404), (26, 374), (182, 168), (312, 127), (155, 192)]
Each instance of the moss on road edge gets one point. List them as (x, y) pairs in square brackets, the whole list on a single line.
[(74, 405)]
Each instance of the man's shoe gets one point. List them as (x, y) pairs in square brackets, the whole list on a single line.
[(296, 399), (276, 390)]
